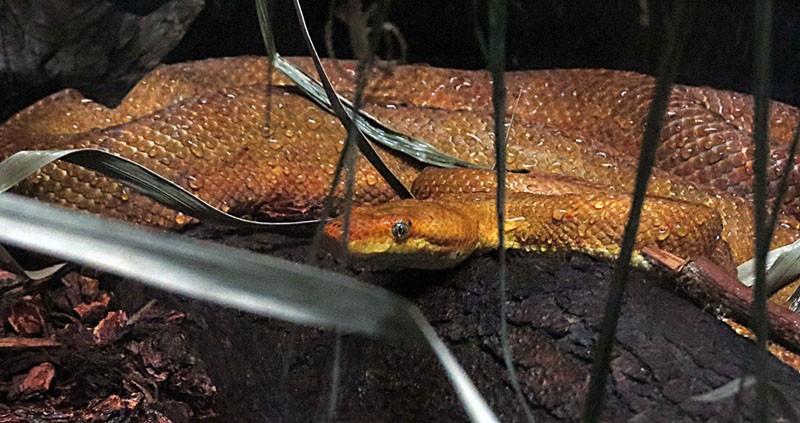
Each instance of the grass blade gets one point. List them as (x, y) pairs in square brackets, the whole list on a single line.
[(496, 60), (734, 387), (368, 124), (228, 276), (7, 262), (762, 30), (473, 403), (350, 120), (25, 163), (668, 68), (251, 282)]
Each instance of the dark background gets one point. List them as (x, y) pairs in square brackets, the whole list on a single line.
[(616, 34), (542, 34), (249, 368)]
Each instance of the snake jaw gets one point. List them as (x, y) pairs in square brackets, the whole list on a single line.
[(433, 236)]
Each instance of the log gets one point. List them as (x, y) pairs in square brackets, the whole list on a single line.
[(667, 351), (94, 46)]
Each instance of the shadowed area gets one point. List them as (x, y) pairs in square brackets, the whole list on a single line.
[(668, 348)]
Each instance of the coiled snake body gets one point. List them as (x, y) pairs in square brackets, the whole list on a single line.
[(214, 128)]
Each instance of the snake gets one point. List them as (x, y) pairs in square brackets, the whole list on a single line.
[(242, 137)]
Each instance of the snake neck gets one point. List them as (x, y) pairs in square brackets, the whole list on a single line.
[(408, 233), (593, 224)]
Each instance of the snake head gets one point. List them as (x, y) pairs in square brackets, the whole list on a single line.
[(407, 234)]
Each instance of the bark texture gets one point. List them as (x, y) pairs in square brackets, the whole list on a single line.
[(667, 350), (95, 46)]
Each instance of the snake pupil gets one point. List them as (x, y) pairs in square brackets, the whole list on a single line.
[(400, 230)]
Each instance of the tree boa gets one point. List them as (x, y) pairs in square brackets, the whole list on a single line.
[(216, 128)]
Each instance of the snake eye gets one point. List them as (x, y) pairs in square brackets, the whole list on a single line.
[(400, 230)]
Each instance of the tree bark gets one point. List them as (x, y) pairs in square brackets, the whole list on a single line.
[(667, 351), (94, 46)]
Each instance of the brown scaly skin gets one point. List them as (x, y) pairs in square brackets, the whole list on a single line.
[(435, 183), (706, 135), (200, 124)]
